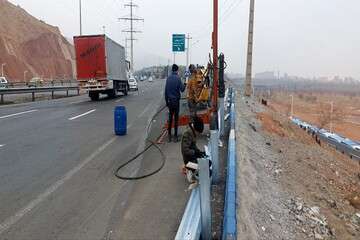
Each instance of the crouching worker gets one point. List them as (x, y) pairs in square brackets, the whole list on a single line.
[(189, 149)]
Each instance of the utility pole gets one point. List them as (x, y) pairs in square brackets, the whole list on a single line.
[(248, 89), (104, 29), (80, 17), (215, 55), (292, 105), (131, 19), (331, 117), (2, 69), (188, 38), (126, 48)]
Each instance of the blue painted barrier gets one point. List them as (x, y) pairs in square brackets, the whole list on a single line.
[(230, 222)]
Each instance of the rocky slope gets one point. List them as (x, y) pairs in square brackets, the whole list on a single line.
[(29, 44)]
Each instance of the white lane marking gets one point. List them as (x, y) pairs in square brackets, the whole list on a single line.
[(2, 145), (17, 114), (81, 115), (81, 101), (43, 196), (145, 110), (119, 100)]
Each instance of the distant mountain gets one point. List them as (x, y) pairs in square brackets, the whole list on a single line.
[(29, 44)]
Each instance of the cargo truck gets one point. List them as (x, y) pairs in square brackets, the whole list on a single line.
[(101, 66)]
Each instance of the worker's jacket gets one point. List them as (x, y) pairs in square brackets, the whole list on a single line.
[(189, 149), (173, 88), (194, 87)]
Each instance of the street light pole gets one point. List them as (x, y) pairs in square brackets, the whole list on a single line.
[(292, 105), (2, 69), (80, 17), (25, 75), (331, 116), (188, 38)]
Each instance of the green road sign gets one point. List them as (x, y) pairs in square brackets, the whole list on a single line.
[(178, 42)]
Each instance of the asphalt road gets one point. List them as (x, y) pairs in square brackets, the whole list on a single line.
[(57, 160)]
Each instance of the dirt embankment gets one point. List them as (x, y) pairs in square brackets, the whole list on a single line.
[(29, 44), (290, 187)]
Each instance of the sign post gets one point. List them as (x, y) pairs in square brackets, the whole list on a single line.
[(178, 43)]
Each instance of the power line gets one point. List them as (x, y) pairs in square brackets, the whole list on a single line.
[(132, 18)]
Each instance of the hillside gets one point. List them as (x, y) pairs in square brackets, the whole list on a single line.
[(29, 44)]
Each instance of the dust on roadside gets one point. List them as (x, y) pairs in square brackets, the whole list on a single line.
[(288, 186)]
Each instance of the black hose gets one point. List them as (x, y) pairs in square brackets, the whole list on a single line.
[(152, 144)]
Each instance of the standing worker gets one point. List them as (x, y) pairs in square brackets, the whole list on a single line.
[(173, 89), (192, 89)]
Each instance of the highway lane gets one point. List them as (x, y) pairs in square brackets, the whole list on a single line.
[(57, 162)]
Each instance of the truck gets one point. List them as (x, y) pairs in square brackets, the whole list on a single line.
[(101, 66)]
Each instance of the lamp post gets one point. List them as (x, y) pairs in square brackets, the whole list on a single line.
[(25, 75), (331, 116), (292, 105), (80, 16), (2, 69)]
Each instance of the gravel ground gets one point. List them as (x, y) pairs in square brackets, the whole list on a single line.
[(262, 211), (288, 186)]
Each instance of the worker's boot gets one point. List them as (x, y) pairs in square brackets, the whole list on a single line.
[(169, 138), (176, 139)]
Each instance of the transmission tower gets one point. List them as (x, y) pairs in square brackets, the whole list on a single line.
[(248, 87), (132, 18)]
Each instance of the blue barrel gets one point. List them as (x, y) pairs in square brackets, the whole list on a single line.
[(120, 120)]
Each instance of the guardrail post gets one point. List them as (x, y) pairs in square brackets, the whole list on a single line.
[(2, 98), (67, 93), (221, 116), (214, 151), (205, 204), (78, 91), (52, 94), (33, 96)]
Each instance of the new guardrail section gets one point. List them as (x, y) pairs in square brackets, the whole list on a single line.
[(196, 221)]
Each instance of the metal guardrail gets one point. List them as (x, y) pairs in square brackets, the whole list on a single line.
[(9, 91), (190, 226), (230, 221), (196, 221), (319, 137)]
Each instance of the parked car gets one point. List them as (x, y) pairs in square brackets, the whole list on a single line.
[(150, 79), (36, 82), (133, 85), (3, 82)]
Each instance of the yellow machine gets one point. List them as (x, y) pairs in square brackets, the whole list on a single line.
[(198, 89)]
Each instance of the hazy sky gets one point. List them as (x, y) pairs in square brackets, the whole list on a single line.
[(300, 37)]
